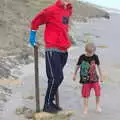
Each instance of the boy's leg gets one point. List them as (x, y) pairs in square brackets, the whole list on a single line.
[(64, 57), (98, 107), (97, 90), (85, 94), (85, 105), (54, 72)]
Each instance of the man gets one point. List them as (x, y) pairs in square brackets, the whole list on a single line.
[(56, 19)]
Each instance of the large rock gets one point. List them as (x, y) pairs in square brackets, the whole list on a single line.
[(64, 115)]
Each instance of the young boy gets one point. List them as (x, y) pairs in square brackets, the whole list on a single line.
[(88, 75)]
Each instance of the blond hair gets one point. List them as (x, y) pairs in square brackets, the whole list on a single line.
[(90, 44)]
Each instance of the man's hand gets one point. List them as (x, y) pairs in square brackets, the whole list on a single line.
[(101, 79), (38, 44)]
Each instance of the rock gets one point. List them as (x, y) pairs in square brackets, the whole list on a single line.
[(64, 115), (5, 90), (5, 94), (28, 114), (4, 72), (42, 116), (29, 103), (29, 97), (6, 64), (21, 111), (24, 58), (16, 72)]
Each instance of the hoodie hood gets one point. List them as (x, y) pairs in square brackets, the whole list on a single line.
[(60, 4)]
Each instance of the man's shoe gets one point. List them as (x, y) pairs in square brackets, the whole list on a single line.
[(57, 107), (50, 109)]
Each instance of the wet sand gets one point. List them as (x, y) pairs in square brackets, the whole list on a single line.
[(102, 32)]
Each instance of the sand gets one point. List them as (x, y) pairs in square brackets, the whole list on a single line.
[(70, 96)]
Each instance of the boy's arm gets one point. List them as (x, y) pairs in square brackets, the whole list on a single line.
[(77, 67), (39, 19), (75, 73), (100, 73)]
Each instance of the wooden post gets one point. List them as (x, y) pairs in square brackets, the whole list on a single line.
[(57, 98), (36, 79)]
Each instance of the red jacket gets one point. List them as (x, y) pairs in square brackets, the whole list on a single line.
[(56, 18)]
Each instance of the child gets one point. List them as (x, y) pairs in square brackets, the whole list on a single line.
[(88, 75)]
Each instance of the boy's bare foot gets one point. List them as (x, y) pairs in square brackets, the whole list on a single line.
[(98, 109), (85, 112)]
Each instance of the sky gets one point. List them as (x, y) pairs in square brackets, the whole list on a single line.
[(106, 3)]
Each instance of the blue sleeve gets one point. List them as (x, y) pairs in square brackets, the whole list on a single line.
[(32, 39)]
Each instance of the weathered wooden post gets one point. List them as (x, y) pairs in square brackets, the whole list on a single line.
[(57, 98), (36, 68)]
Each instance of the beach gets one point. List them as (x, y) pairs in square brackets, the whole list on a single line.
[(105, 33)]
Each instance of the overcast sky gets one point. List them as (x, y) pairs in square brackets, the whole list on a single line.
[(106, 3)]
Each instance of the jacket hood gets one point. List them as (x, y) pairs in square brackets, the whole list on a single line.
[(60, 4)]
